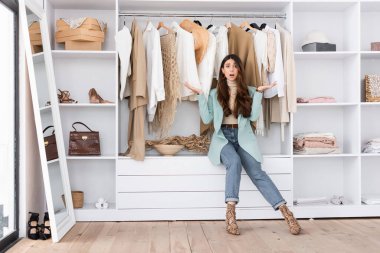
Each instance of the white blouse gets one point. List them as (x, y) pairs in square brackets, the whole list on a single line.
[(155, 74), (278, 74), (221, 34), (123, 41), (187, 67), (260, 40), (206, 66)]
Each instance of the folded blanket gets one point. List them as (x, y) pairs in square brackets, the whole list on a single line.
[(316, 151), (371, 199), (314, 134), (310, 201), (372, 146), (314, 142), (316, 100)]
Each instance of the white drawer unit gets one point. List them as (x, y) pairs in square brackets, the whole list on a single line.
[(173, 183), (170, 200)]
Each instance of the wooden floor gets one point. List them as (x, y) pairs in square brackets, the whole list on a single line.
[(340, 235)]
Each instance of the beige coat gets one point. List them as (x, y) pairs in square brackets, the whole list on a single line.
[(240, 43), (289, 68), (139, 96)]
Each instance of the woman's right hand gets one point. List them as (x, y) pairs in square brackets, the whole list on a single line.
[(192, 88)]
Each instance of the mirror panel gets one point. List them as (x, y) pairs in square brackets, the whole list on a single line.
[(47, 119)]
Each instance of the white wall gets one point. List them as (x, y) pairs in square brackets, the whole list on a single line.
[(7, 74)]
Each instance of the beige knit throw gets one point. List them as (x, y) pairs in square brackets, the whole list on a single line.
[(194, 143), (166, 109)]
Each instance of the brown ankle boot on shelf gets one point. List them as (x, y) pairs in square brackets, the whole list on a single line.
[(231, 225), (95, 98), (294, 227)]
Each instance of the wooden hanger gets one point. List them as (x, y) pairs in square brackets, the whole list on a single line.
[(162, 25), (247, 25)]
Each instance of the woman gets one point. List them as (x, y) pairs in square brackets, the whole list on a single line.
[(232, 106)]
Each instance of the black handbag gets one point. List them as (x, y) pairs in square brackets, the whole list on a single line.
[(50, 145)]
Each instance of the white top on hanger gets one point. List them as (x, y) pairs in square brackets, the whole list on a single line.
[(123, 43)]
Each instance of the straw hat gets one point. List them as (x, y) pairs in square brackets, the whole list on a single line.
[(315, 36), (200, 38)]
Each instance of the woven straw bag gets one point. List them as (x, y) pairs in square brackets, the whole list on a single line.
[(372, 88), (78, 199)]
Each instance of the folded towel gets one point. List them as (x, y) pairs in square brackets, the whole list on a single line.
[(371, 199), (307, 201)]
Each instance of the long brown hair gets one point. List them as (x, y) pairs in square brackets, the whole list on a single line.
[(243, 102)]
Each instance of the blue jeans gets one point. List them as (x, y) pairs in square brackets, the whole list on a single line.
[(234, 158)]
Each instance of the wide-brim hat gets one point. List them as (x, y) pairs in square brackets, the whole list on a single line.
[(315, 36)]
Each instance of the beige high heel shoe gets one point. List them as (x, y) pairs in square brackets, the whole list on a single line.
[(294, 227), (231, 225), (95, 98)]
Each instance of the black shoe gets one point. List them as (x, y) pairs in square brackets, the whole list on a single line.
[(45, 232), (33, 228)]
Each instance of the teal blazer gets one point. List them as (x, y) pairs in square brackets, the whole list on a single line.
[(211, 110)]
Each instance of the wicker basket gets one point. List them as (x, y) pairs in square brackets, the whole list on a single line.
[(78, 198), (372, 88)]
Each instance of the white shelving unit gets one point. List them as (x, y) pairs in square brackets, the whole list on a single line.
[(187, 186)]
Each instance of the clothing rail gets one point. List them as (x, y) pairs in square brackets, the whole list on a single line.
[(159, 14)]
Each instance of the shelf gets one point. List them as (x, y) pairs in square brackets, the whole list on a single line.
[(91, 206), (87, 105), (370, 103), (72, 54), (370, 6), (39, 57), (325, 155), (324, 104), (53, 161), (321, 6), (324, 55), (201, 6), (45, 108), (83, 4), (370, 154), (105, 157), (194, 155), (370, 54)]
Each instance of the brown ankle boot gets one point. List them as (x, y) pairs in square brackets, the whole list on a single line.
[(294, 227), (231, 225)]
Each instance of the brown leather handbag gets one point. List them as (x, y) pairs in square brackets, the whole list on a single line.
[(50, 145), (84, 143)]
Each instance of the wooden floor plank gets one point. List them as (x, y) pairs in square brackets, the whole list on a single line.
[(215, 232), (261, 236), (159, 237), (198, 241), (178, 237)]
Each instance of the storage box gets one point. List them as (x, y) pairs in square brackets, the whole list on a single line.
[(83, 45), (375, 46), (79, 34), (318, 47), (36, 49), (35, 28), (372, 88), (89, 24)]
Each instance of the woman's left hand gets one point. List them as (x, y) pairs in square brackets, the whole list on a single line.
[(265, 87)]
